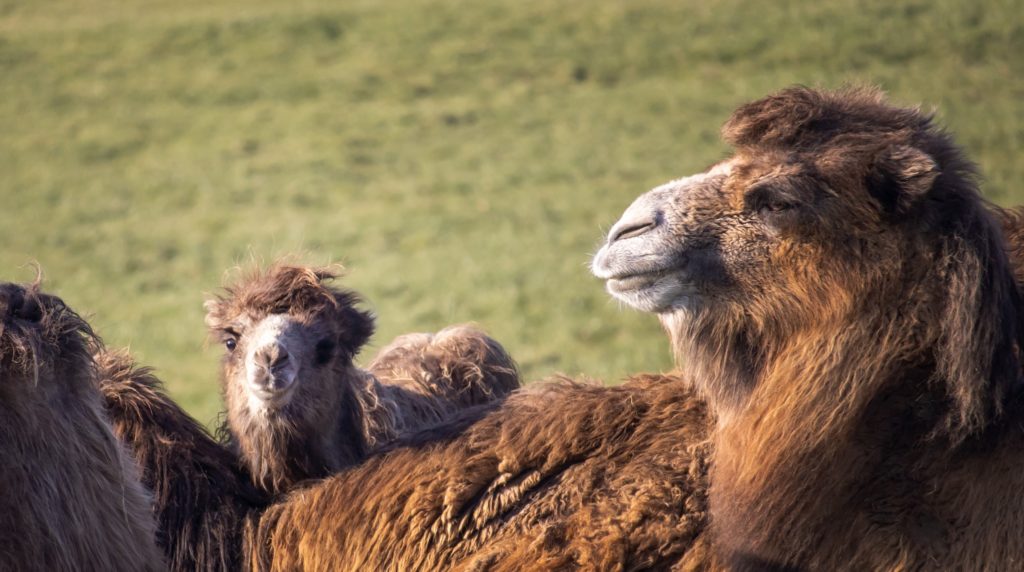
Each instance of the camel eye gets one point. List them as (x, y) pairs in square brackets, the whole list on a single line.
[(775, 207), (230, 344), (771, 199)]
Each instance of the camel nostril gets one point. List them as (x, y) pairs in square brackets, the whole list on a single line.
[(260, 379), (272, 357), (630, 229), (281, 359)]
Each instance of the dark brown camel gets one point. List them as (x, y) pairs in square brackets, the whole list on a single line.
[(70, 497)]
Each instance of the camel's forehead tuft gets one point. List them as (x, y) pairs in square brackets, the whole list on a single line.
[(800, 118), (282, 289)]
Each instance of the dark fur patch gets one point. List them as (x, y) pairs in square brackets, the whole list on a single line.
[(70, 497), (202, 496)]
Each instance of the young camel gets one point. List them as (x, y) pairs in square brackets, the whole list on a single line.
[(297, 407), (70, 497)]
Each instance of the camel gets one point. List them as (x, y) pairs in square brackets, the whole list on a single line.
[(843, 303), (70, 497), (843, 299), (297, 406)]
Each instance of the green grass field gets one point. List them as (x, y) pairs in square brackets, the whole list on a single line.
[(461, 158)]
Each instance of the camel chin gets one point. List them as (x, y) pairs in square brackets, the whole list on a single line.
[(653, 293)]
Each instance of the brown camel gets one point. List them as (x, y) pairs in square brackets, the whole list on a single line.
[(849, 311), (70, 497), (844, 301), (297, 407)]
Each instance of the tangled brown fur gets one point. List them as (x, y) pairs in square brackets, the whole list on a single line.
[(562, 475)]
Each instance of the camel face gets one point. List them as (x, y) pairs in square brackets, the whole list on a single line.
[(274, 354), (286, 337), (276, 359), (749, 236)]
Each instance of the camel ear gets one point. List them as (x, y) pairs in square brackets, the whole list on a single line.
[(356, 328), (900, 176)]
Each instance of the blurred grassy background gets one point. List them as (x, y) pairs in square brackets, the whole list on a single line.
[(462, 158)]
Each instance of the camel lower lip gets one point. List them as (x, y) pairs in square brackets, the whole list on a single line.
[(273, 397), (631, 282)]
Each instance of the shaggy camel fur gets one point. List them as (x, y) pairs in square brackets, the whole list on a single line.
[(560, 476), (202, 496), (70, 497), (297, 407), (844, 300)]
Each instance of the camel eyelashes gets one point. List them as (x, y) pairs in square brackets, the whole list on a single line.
[(772, 198), (766, 199), (767, 204)]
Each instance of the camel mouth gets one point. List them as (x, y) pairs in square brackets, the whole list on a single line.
[(630, 281), (274, 393), (653, 290)]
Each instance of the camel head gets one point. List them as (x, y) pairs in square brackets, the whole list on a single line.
[(841, 221), (44, 348), (288, 336)]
